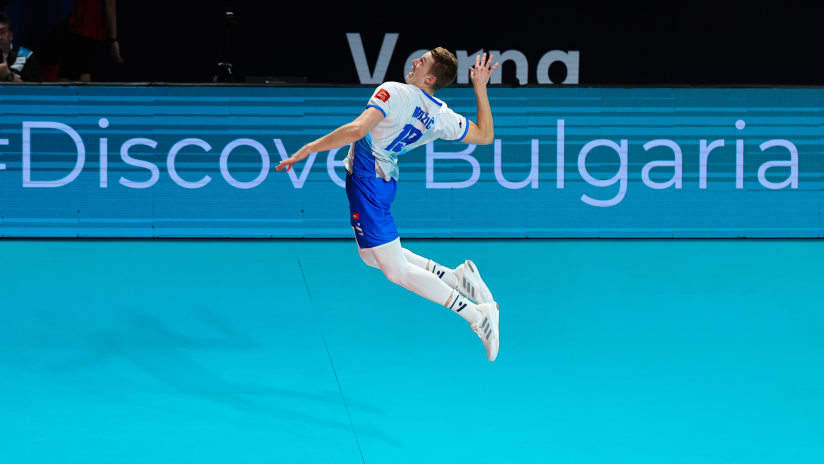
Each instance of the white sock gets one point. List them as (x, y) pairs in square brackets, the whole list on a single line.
[(463, 307), (444, 273)]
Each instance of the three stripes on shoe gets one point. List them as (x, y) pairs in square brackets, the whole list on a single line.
[(469, 290), (486, 327)]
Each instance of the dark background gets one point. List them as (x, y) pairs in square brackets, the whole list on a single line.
[(620, 44)]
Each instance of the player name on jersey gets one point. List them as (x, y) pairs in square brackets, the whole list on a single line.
[(423, 117)]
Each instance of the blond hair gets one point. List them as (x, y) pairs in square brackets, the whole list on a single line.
[(444, 68)]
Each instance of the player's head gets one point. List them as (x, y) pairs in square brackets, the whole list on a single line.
[(434, 70), (5, 33)]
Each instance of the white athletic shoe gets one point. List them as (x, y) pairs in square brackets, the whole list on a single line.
[(487, 328), (470, 283)]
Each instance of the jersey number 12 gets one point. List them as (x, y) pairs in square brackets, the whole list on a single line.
[(408, 135)]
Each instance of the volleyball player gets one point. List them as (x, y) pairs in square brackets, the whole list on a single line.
[(398, 118)]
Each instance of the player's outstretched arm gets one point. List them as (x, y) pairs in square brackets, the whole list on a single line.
[(484, 132), (341, 136)]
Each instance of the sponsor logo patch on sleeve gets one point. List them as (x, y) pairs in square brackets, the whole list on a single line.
[(382, 95)]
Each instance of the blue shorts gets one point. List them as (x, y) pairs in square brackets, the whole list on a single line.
[(369, 201)]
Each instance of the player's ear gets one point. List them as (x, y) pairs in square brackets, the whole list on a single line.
[(430, 80)]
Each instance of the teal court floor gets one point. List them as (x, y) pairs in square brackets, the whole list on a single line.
[(278, 351)]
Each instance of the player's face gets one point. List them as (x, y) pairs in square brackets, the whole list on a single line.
[(5, 37), (420, 70)]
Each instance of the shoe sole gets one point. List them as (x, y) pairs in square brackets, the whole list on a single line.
[(489, 329), (498, 334)]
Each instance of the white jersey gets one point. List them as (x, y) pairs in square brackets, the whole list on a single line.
[(412, 118)]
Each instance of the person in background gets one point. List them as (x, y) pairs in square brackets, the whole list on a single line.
[(17, 63), (91, 23)]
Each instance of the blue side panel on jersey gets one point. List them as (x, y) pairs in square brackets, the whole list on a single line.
[(364, 162)]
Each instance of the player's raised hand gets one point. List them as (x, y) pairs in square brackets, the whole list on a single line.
[(481, 71), (300, 155)]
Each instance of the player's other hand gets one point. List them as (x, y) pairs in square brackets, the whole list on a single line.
[(300, 155), (114, 48), (481, 71), (4, 66)]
